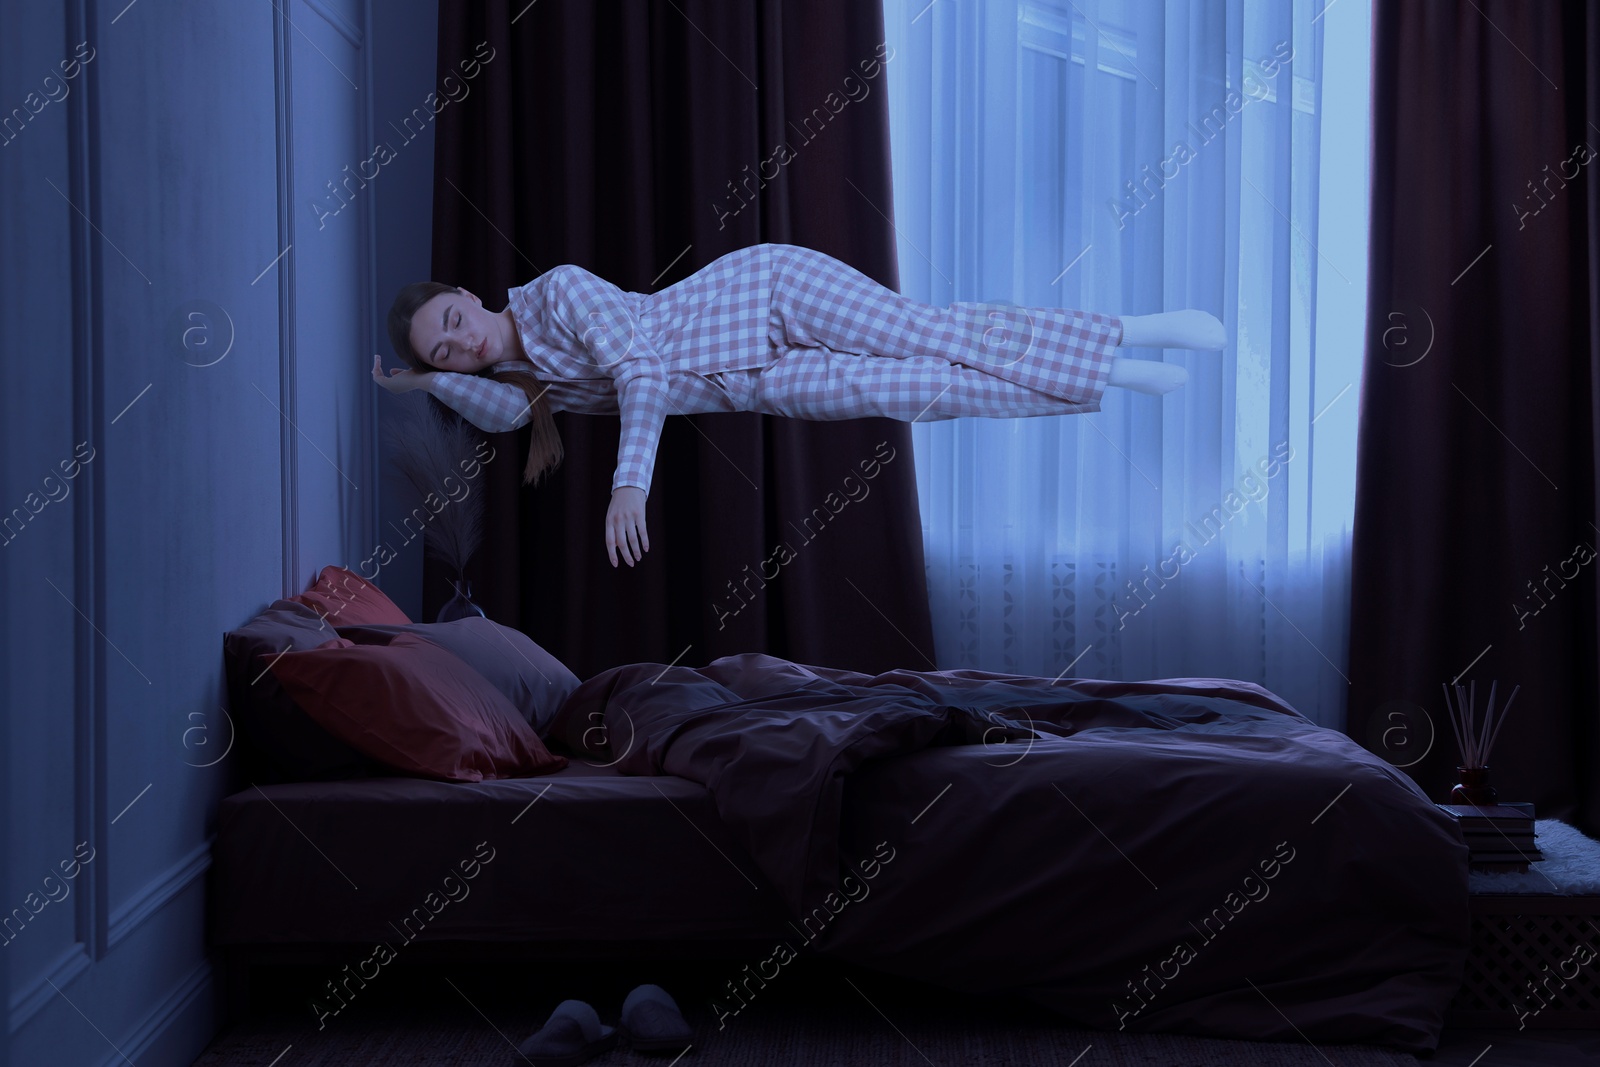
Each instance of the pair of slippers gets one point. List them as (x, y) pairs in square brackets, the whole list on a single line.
[(650, 1022)]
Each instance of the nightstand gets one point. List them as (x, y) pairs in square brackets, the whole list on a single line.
[(1534, 959)]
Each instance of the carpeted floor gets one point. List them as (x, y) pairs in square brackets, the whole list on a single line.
[(816, 1016), (1512, 1048)]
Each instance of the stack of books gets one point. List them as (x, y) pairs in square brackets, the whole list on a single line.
[(1499, 836)]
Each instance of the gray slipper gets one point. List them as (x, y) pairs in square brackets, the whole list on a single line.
[(571, 1035), (651, 1021)]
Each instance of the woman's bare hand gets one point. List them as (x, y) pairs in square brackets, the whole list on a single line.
[(625, 525), (397, 381)]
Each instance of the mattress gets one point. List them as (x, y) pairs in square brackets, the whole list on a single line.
[(584, 854)]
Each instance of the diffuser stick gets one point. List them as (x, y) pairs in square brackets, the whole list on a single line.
[(1455, 721), (1488, 720), (1472, 721), (1503, 713)]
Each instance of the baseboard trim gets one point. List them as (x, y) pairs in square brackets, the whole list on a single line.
[(160, 891), (158, 1023), (72, 962)]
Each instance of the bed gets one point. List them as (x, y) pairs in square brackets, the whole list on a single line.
[(1186, 855)]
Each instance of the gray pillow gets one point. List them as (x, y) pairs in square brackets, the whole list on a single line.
[(532, 679)]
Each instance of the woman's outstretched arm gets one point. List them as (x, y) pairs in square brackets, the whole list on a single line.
[(607, 336)]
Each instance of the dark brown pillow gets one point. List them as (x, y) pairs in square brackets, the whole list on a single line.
[(535, 682), (283, 743), (415, 706)]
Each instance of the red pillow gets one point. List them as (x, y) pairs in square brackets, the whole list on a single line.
[(414, 706), (344, 598)]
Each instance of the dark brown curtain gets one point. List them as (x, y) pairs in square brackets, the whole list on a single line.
[(1475, 513), (634, 139)]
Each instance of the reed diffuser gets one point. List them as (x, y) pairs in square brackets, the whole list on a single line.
[(1475, 740)]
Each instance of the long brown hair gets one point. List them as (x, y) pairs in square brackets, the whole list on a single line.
[(544, 449)]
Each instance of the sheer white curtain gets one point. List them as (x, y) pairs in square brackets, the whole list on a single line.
[(1132, 156)]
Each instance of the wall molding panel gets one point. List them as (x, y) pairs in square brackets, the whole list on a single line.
[(83, 125), (351, 34), (206, 155), (289, 485)]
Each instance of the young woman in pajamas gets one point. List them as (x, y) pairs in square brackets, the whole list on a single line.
[(773, 328)]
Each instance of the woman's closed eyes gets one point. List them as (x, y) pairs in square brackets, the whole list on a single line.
[(444, 350)]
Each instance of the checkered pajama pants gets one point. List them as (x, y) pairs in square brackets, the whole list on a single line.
[(851, 348)]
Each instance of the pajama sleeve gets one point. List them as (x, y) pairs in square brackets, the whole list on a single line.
[(605, 327), (495, 406)]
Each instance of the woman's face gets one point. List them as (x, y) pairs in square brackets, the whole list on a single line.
[(453, 332)]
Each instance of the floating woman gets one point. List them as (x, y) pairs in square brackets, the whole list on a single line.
[(773, 328)]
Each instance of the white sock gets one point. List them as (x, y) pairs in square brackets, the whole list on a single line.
[(1174, 329), (1146, 375)]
